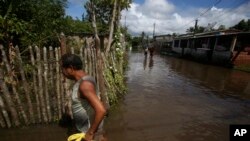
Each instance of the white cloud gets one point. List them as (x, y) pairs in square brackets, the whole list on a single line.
[(168, 20)]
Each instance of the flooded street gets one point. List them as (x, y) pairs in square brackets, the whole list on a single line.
[(171, 99)]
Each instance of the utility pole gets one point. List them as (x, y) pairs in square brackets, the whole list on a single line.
[(125, 22), (154, 31), (196, 26)]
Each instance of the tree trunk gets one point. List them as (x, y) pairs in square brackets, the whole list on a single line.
[(104, 96), (111, 28), (40, 84), (35, 91), (117, 21), (16, 95), (99, 59)]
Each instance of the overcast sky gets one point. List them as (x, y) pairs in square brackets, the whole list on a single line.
[(175, 16)]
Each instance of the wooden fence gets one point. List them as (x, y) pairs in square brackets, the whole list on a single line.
[(33, 89)]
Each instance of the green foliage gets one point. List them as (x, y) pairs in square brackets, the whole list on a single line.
[(242, 25), (128, 37), (200, 29), (136, 41), (103, 9), (117, 65), (112, 96), (116, 84), (222, 27), (30, 22), (76, 26)]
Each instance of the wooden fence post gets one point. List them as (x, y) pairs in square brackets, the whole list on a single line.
[(35, 91), (4, 115), (86, 57), (62, 81), (16, 95), (52, 81), (40, 84), (58, 85), (45, 75), (89, 61), (63, 43), (25, 85), (8, 100)]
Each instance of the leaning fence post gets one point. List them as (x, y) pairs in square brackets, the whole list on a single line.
[(8, 101), (4, 115), (13, 84), (25, 85)]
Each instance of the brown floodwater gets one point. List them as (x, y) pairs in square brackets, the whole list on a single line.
[(171, 99), (168, 99)]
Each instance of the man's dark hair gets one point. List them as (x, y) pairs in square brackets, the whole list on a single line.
[(71, 60)]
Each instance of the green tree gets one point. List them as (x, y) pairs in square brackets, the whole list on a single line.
[(190, 30), (29, 22), (136, 41), (200, 29), (242, 25), (222, 27)]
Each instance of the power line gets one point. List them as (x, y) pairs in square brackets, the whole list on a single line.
[(203, 13), (210, 8), (230, 11)]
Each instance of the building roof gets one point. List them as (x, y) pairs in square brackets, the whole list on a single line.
[(211, 34)]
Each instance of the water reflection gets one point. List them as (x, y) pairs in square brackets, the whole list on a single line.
[(151, 62), (223, 80), (203, 131), (147, 63), (34, 133)]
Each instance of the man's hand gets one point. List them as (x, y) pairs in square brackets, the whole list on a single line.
[(89, 136)]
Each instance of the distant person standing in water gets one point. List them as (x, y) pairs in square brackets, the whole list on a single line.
[(146, 51), (88, 110), (151, 49)]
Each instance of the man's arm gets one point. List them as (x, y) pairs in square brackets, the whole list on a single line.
[(87, 90)]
